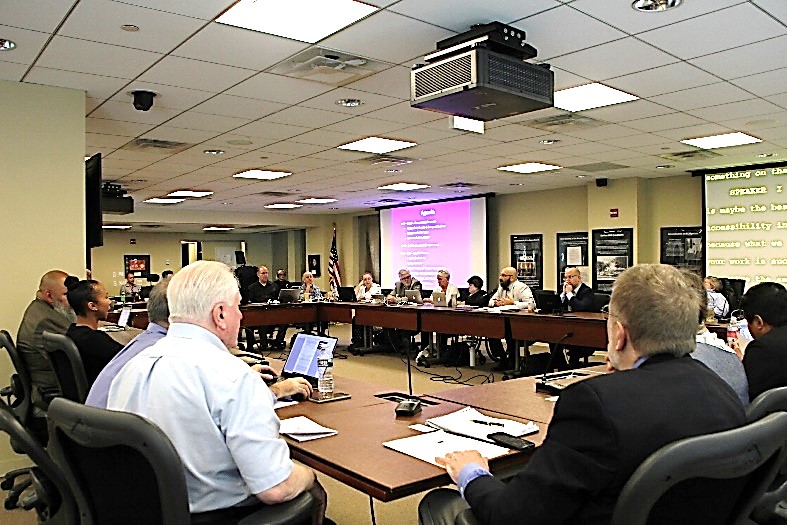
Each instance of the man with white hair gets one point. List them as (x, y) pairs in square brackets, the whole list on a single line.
[(606, 426), (217, 411)]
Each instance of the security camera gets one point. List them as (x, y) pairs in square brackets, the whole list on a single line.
[(143, 100)]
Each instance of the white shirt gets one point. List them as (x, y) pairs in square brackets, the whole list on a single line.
[(451, 294), (361, 294), (719, 303), (217, 412), (518, 291)]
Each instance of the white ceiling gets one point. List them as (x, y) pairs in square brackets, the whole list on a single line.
[(707, 67)]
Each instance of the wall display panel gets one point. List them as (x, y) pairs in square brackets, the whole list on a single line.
[(139, 265), (572, 250), (746, 223), (527, 256), (613, 253), (684, 247), (429, 236)]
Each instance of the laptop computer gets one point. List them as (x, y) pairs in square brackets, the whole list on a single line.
[(346, 294), (288, 295), (302, 362), (414, 296), (547, 302), (438, 299)]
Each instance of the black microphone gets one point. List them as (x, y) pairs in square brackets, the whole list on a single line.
[(552, 354)]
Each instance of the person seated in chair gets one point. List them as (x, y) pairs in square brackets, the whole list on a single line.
[(603, 428), (308, 291), (214, 408), (511, 292), (131, 290), (716, 300), (405, 282), (476, 294), (262, 291), (576, 296), (90, 301), (363, 292)]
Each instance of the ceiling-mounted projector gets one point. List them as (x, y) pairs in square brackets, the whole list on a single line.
[(481, 74)]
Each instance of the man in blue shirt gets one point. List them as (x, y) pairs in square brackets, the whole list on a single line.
[(158, 317)]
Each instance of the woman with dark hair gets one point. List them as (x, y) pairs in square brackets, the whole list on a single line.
[(477, 296), (90, 301)]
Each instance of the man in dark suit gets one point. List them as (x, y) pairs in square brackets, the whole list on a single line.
[(765, 309), (604, 427), (576, 297)]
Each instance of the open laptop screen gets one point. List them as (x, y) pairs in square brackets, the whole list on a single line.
[(125, 313), (302, 361)]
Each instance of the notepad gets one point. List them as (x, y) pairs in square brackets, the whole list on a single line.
[(472, 423), (427, 447), (301, 428)]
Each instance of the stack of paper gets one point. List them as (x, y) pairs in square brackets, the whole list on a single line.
[(472, 423), (301, 428), (427, 447)]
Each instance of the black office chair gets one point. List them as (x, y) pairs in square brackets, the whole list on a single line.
[(19, 392), (751, 454), (600, 300), (772, 507), (43, 486), (124, 470), (67, 363)]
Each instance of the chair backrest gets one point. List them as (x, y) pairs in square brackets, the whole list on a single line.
[(67, 364), (773, 400), (751, 454), (121, 467), (53, 497), (600, 300), (21, 386)]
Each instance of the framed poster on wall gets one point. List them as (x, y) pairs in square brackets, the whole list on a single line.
[(572, 250), (684, 247), (314, 264), (613, 253), (527, 256), (138, 264)]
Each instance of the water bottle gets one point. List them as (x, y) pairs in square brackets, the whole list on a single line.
[(123, 296), (732, 331), (325, 372)]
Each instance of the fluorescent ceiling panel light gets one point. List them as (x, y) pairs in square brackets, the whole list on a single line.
[(467, 124), (116, 226), (217, 228), (163, 201), (590, 96), (262, 174), (377, 145), (722, 141), (304, 20), (404, 186), (315, 200), (529, 167), (283, 206), (189, 193)]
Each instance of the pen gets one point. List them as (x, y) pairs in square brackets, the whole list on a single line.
[(491, 423)]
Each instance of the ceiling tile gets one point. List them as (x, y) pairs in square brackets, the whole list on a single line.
[(775, 8), (171, 97), (73, 54), (673, 120), (270, 130), (764, 84), (177, 71), (326, 138), (392, 82), (238, 47), (404, 113), (747, 108), (664, 79), (241, 107), (365, 126), (371, 101), (628, 111), (443, 13), (306, 117), (99, 140), (96, 86), (746, 60), (126, 112), (631, 55), (12, 71), (39, 15), (28, 44), (205, 122), (289, 147), (204, 9), (277, 88), (115, 127), (178, 134), (704, 96)]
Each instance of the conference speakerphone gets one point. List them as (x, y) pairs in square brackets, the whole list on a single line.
[(556, 382)]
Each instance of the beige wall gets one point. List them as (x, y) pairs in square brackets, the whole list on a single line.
[(41, 200)]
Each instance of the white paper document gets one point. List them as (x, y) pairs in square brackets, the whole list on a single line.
[(301, 428), (428, 446), (472, 423)]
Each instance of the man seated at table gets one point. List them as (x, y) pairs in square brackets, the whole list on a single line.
[(476, 296), (604, 427), (261, 291), (158, 323), (716, 299), (363, 292), (215, 410), (510, 292), (281, 281), (49, 311), (764, 306), (576, 296), (444, 286), (405, 282), (129, 289)]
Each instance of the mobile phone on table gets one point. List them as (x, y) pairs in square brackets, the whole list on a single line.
[(507, 440)]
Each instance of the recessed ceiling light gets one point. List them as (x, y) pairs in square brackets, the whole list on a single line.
[(767, 155), (316, 200), (6, 45), (349, 102), (404, 186), (549, 142), (283, 206), (189, 193), (654, 6), (467, 124), (304, 20), (240, 142), (262, 174), (529, 167), (157, 200), (590, 96), (724, 140), (116, 226), (377, 145), (217, 228), (665, 166), (213, 152), (131, 28)]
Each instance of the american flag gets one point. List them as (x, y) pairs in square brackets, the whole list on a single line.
[(334, 272)]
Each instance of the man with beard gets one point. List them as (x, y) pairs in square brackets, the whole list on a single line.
[(48, 311), (510, 292)]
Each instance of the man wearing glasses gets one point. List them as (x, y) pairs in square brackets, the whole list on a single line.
[(510, 292), (576, 295), (405, 282)]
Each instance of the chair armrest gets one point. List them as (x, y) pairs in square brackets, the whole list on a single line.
[(297, 511), (466, 517)]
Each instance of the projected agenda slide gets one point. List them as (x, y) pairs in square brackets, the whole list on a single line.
[(746, 223), (427, 237)]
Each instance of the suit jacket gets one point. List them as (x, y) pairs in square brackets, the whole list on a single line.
[(765, 361), (582, 300), (399, 287), (603, 428), (480, 298)]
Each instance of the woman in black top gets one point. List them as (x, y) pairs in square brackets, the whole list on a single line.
[(477, 296), (90, 301)]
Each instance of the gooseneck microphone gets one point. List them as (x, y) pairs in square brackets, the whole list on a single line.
[(550, 363)]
